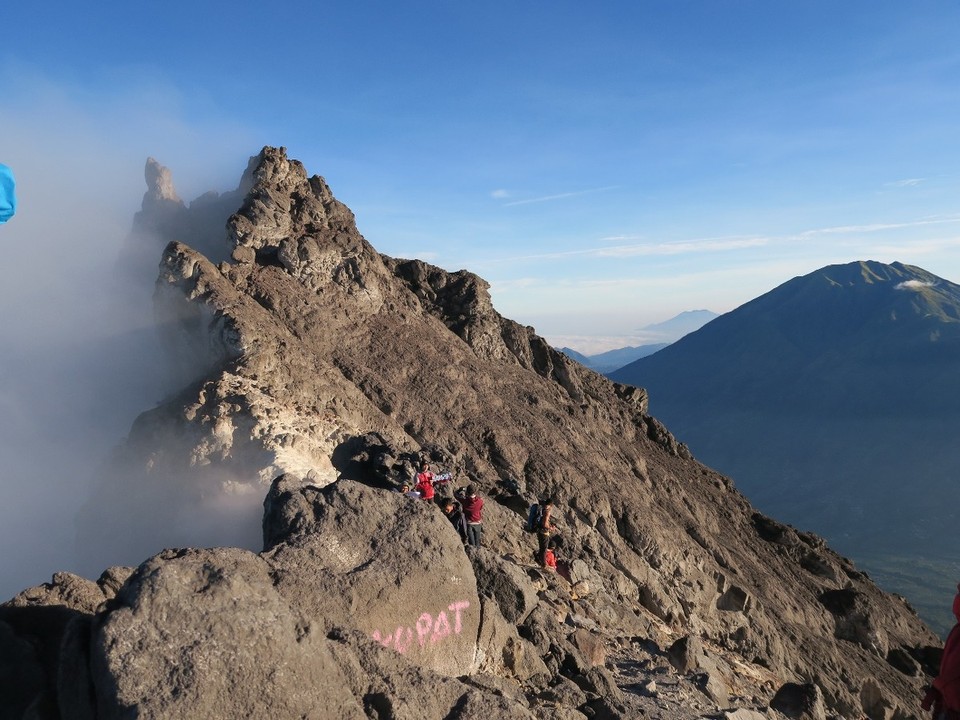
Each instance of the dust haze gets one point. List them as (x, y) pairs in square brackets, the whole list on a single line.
[(79, 354)]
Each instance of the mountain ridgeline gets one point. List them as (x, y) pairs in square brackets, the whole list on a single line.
[(833, 401), (317, 373)]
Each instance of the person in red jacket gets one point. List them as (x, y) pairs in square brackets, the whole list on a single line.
[(425, 483), (546, 529), (472, 505), (944, 697)]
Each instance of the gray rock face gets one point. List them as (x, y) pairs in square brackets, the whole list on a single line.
[(204, 633), (322, 620), (22, 676), (799, 702), (686, 654), (505, 582), (389, 565), (209, 633), (320, 370)]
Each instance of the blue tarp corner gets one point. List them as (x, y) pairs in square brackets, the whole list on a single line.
[(8, 198)]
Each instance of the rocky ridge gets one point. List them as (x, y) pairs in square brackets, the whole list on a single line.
[(321, 371)]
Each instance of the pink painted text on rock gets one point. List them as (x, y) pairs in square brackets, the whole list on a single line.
[(427, 630)]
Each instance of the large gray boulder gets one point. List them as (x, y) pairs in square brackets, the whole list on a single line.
[(381, 562), (505, 582), (203, 633)]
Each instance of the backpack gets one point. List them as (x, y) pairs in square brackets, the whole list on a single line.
[(549, 559), (534, 518)]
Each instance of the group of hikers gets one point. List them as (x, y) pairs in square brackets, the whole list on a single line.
[(464, 510)]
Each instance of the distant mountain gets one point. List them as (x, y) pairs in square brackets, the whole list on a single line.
[(612, 360), (607, 362), (680, 325), (833, 402), (668, 331), (574, 355)]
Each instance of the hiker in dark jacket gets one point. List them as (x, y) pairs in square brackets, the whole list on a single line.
[(451, 508), (472, 510), (943, 699)]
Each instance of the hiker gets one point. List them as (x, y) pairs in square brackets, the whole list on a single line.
[(550, 557), (472, 508), (454, 513), (545, 528), (406, 490), (944, 697), (8, 196), (425, 482)]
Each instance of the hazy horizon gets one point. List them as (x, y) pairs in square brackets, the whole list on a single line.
[(603, 169)]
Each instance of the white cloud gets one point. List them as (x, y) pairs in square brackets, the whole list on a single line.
[(914, 285), (682, 247), (559, 196), (500, 194), (879, 227), (908, 182), (595, 344)]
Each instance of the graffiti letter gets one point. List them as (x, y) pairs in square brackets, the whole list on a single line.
[(383, 641), (399, 645), (441, 628), (424, 626), (457, 607)]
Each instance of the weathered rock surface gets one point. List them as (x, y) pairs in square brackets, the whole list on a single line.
[(320, 373), (799, 702), (388, 565)]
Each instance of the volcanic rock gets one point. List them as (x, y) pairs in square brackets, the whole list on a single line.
[(320, 373), (799, 702)]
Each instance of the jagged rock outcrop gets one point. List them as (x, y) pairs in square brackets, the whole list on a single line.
[(321, 371)]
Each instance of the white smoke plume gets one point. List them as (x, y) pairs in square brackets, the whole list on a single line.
[(78, 352)]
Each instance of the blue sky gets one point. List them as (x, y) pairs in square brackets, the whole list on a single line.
[(605, 166)]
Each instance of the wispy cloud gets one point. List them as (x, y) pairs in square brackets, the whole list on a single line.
[(908, 182), (500, 194), (879, 227), (559, 196), (682, 247), (700, 245)]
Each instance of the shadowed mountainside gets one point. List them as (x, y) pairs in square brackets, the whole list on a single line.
[(832, 401)]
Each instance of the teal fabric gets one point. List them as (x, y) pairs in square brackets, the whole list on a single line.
[(8, 199)]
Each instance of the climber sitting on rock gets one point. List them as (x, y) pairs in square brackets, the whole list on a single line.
[(425, 483)]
